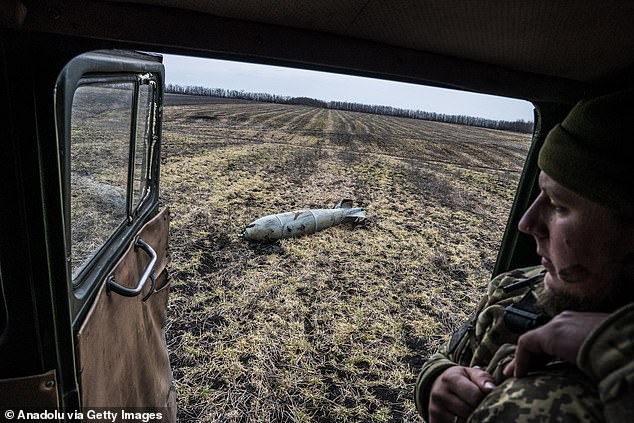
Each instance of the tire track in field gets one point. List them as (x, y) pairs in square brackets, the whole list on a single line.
[(298, 122), (393, 156), (342, 150), (318, 121), (354, 132)]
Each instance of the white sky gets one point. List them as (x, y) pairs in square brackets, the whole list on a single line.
[(249, 77)]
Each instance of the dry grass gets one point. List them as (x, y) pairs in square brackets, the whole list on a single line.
[(331, 327)]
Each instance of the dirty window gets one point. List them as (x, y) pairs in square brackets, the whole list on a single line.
[(142, 145), (100, 140)]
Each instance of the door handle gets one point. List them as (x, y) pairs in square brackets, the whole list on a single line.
[(133, 292)]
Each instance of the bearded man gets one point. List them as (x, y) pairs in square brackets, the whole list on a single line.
[(556, 342)]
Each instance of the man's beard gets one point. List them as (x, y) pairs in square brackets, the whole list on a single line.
[(618, 294), (554, 302)]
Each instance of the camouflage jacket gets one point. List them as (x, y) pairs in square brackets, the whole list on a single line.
[(601, 389)]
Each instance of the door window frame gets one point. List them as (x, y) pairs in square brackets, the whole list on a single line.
[(110, 66)]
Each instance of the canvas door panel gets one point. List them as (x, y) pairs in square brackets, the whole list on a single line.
[(137, 372)]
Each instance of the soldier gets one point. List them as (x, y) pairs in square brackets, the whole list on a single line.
[(580, 365)]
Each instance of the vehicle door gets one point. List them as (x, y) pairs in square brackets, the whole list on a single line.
[(108, 111)]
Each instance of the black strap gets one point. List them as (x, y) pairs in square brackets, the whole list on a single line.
[(525, 315)]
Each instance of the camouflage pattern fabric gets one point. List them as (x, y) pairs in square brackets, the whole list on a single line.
[(607, 356), (479, 339), (560, 392)]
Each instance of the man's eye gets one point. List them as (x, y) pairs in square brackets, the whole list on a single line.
[(558, 208)]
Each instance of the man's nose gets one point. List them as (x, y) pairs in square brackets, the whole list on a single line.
[(532, 222)]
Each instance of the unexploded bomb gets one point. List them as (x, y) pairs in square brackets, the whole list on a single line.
[(297, 223)]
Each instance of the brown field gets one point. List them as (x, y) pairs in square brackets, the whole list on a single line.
[(331, 327)]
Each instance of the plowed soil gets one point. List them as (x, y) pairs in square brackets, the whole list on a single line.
[(330, 327)]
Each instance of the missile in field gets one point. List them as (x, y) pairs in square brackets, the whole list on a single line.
[(292, 224)]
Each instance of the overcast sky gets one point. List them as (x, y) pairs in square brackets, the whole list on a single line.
[(328, 86)]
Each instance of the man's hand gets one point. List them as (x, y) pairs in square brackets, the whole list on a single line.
[(457, 392), (561, 337)]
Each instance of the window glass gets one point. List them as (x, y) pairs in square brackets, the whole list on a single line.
[(142, 145), (100, 140)]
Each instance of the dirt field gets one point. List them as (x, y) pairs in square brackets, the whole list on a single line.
[(331, 327)]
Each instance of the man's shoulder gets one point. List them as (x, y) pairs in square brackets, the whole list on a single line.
[(504, 279), (514, 283)]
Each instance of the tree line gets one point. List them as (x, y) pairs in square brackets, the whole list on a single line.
[(519, 125)]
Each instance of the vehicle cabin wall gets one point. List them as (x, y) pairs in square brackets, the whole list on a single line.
[(38, 336)]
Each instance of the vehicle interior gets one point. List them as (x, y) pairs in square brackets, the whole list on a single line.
[(551, 54)]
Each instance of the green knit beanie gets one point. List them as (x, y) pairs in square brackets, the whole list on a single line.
[(592, 151)]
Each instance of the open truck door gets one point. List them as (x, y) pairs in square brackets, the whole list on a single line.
[(108, 107)]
